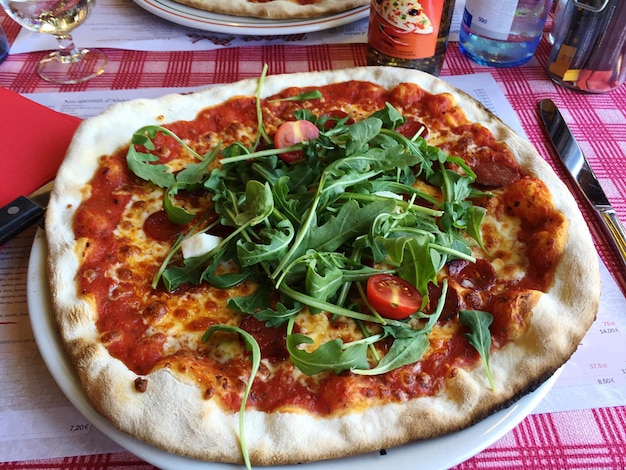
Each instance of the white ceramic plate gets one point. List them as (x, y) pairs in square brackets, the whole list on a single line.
[(200, 19), (443, 452)]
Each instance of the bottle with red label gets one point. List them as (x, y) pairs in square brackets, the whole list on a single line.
[(409, 33)]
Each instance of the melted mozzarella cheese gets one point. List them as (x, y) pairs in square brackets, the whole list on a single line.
[(199, 244), (505, 252)]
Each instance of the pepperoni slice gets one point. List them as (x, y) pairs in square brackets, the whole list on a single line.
[(159, 227), (451, 305), (478, 276), (494, 171)]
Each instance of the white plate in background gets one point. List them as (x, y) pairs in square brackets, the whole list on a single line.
[(200, 19)]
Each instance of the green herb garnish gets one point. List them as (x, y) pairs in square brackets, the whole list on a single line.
[(254, 348), (480, 337), (309, 233), (304, 96)]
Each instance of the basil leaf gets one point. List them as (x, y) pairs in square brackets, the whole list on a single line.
[(480, 336)]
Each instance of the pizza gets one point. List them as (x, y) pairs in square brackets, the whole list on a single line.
[(276, 9), (310, 266)]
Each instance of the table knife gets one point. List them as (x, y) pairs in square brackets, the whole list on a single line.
[(23, 212), (578, 167)]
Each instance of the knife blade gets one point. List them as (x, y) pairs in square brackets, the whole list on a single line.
[(579, 169), (23, 212)]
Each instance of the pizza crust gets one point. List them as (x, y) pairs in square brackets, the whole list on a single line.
[(199, 428), (275, 9)]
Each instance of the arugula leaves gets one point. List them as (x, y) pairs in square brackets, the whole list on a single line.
[(305, 96), (252, 346), (480, 337), (332, 355), (141, 163), (310, 233)]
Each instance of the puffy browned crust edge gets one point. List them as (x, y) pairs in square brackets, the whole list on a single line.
[(197, 427), (275, 9)]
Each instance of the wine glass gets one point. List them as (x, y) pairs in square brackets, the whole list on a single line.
[(68, 64)]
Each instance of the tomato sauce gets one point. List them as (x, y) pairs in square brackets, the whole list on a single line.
[(128, 306)]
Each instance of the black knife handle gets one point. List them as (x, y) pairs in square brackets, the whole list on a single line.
[(17, 216)]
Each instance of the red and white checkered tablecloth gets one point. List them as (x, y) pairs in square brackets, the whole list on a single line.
[(583, 439)]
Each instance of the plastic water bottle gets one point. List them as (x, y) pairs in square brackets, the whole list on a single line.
[(502, 33), (4, 45)]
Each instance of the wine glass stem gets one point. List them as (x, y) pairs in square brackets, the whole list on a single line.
[(67, 50)]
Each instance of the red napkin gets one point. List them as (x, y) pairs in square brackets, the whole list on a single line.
[(33, 142)]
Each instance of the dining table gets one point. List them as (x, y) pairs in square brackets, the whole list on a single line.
[(589, 436)]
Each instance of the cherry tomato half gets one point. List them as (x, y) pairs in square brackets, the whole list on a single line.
[(294, 132), (392, 296)]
